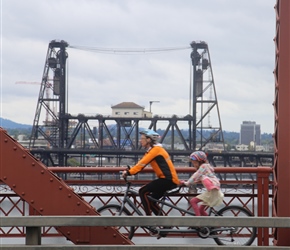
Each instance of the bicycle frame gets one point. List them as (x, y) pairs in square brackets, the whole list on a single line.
[(161, 201), (221, 235), (127, 200)]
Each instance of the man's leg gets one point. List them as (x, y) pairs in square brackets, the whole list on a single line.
[(159, 187), (143, 193)]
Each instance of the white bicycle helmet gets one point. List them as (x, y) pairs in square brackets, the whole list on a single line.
[(149, 133)]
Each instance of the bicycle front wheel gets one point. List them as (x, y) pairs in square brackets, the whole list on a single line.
[(114, 210), (243, 236)]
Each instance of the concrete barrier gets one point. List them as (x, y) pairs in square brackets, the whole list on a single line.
[(38, 221), (141, 247), (34, 223)]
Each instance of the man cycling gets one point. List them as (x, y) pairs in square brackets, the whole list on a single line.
[(162, 165)]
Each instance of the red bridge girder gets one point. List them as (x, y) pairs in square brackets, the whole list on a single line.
[(282, 122), (48, 194)]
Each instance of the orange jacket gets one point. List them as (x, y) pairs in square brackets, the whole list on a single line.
[(160, 161)]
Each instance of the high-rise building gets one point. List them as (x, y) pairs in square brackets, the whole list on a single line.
[(250, 132)]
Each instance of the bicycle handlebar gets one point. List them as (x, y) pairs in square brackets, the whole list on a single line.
[(125, 178), (175, 190)]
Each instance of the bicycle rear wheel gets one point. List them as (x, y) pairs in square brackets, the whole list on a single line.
[(243, 236), (114, 210)]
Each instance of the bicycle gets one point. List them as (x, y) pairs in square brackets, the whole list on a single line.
[(221, 235)]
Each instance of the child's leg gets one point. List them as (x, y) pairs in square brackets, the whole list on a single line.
[(202, 210), (194, 205)]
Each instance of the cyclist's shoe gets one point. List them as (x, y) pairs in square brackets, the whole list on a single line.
[(163, 234), (153, 231)]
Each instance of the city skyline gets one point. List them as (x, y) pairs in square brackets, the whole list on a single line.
[(6, 123), (239, 36)]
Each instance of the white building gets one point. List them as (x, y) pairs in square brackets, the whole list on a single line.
[(243, 147), (129, 109)]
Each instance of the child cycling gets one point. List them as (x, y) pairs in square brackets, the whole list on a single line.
[(204, 174)]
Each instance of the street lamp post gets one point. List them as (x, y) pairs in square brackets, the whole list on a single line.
[(150, 104)]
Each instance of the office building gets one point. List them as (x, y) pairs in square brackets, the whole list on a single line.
[(250, 132)]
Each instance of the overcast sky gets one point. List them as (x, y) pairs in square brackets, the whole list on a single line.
[(239, 34)]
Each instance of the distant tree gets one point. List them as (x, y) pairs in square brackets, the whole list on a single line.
[(73, 162), (15, 132)]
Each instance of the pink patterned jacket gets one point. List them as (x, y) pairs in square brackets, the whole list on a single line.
[(206, 175)]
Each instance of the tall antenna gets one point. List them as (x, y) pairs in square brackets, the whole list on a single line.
[(204, 99)]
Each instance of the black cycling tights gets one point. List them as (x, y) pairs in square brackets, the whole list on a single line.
[(155, 189)]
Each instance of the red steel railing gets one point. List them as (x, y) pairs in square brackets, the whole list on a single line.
[(248, 187)]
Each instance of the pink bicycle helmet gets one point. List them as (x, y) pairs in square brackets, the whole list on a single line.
[(198, 156)]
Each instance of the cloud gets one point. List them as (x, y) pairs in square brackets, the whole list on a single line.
[(240, 40)]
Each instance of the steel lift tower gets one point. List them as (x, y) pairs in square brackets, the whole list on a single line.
[(204, 99), (55, 127)]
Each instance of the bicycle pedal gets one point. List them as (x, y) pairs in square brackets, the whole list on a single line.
[(161, 235)]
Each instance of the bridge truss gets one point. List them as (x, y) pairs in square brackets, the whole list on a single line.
[(81, 136)]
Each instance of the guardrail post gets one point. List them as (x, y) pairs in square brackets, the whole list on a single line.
[(33, 236), (263, 204)]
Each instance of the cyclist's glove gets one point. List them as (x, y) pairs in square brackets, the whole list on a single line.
[(125, 173)]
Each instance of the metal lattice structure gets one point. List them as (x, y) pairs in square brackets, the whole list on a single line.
[(76, 134), (204, 99), (54, 128)]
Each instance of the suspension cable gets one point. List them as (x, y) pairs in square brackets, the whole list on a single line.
[(128, 51)]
